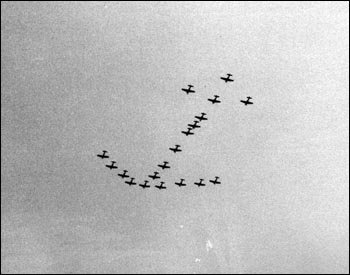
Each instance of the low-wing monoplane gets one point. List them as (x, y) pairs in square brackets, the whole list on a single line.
[(194, 124), (111, 166), (188, 132), (200, 183), (131, 182), (164, 165), (246, 102), (227, 79), (103, 156), (180, 184), (124, 175), (161, 186), (215, 181), (145, 185), (154, 176), (188, 90), (214, 100), (176, 149), (202, 117)]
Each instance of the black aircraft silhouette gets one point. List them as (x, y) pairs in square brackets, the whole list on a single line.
[(194, 125), (145, 185), (246, 102), (188, 132), (176, 149), (103, 156), (180, 183), (161, 186), (111, 166), (214, 100), (155, 176), (124, 175), (131, 182), (200, 183), (164, 165), (215, 181), (227, 79), (188, 90), (201, 117)]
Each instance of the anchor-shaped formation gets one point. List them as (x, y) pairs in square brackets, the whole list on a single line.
[(177, 148)]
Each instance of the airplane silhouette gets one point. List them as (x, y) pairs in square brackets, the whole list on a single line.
[(176, 149), (145, 185), (188, 90), (131, 182), (124, 175), (161, 186), (164, 165), (180, 183), (201, 117), (103, 156), (214, 100), (200, 183), (188, 132), (194, 125), (155, 176), (246, 102), (227, 79), (111, 166), (215, 181)]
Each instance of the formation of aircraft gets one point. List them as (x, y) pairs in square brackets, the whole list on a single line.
[(103, 156), (200, 183), (202, 117), (246, 102), (188, 90), (176, 149), (194, 124), (154, 176), (164, 165), (180, 184), (188, 132), (124, 175), (111, 166), (145, 185), (215, 181), (161, 186), (131, 182), (227, 79), (214, 100)]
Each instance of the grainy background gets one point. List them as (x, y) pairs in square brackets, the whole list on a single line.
[(79, 77)]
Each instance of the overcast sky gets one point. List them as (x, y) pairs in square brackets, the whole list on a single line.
[(81, 77)]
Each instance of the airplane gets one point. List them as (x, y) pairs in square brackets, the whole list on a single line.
[(188, 90), (188, 132), (194, 125), (176, 149), (180, 183), (155, 176), (111, 166), (246, 102), (145, 185), (161, 186), (124, 175), (200, 183), (201, 117), (103, 156), (214, 100), (215, 181), (131, 182), (164, 165), (227, 79)]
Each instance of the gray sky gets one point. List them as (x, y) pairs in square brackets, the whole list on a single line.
[(80, 77)]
